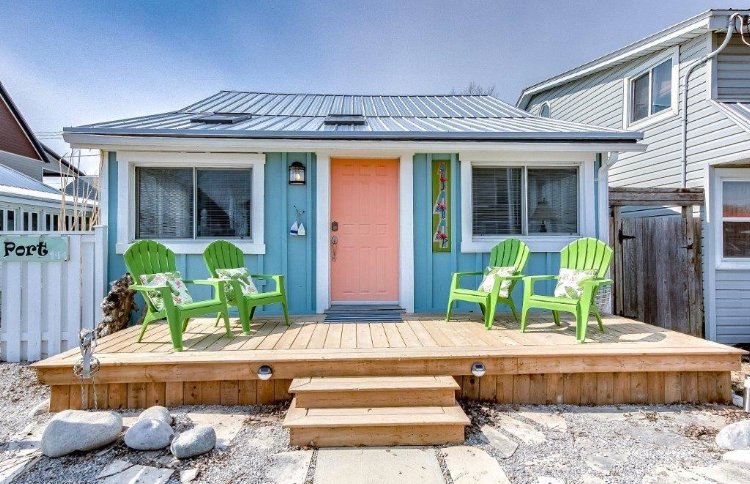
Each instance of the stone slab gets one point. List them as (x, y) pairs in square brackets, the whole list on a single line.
[(119, 471), (376, 465), (471, 465), (289, 467), (227, 425), (504, 445), (521, 430)]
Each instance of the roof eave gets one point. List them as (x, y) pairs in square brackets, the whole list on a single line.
[(621, 136)]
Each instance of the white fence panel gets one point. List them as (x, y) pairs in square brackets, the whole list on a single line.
[(44, 305)]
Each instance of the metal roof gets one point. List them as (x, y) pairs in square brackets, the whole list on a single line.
[(708, 21), (12, 178), (302, 116)]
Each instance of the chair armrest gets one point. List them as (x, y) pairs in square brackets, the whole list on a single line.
[(463, 274), (598, 282), (140, 287), (529, 281), (218, 285), (538, 278)]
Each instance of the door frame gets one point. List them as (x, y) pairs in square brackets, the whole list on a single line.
[(405, 223)]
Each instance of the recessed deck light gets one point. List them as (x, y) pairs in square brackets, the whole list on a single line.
[(265, 372)]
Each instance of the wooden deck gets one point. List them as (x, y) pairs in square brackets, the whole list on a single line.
[(631, 362)]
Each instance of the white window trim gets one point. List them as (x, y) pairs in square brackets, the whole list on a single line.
[(674, 54), (536, 243), (127, 161), (722, 175), (541, 108)]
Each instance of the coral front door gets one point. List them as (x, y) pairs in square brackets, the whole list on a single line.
[(363, 235)]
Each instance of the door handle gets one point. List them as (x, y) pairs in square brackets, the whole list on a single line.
[(334, 242)]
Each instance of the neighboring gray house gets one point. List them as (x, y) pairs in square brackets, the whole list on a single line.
[(641, 87)]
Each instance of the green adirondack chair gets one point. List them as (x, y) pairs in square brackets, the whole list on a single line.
[(511, 252), (583, 254), (221, 254), (147, 257)]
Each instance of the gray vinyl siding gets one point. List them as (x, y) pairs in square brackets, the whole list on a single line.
[(713, 138), (733, 71)]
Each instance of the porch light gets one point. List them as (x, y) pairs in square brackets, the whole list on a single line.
[(478, 369), (296, 173), (265, 372)]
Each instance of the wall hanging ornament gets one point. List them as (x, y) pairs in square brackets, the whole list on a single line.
[(441, 234), (298, 228)]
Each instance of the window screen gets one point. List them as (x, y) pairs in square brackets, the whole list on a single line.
[(224, 203), (496, 200), (661, 87), (639, 109)]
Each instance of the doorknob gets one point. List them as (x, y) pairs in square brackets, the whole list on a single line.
[(334, 241)]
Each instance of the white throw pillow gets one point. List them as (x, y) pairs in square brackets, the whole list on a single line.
[(173, 280), (570, 282), (247, 287), (489, 279)]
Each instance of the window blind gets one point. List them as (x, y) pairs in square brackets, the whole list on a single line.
[(224, 203), (164, 203), (553, 200), (496, 200)]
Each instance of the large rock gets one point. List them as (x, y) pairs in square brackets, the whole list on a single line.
[(149, 434), (738, 457), (76, 430), (120, 471), (156, 413), (505, 446), (195, 441), (735, 436)]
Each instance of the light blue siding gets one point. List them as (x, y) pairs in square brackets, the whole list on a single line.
[(433, 270), (292, 256)]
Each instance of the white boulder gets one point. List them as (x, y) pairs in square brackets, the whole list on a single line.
[(149, 434), (156, 413), (78, 430), (196, 441), (734, 436)]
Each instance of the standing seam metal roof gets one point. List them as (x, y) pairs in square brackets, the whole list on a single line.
[(303, 115)]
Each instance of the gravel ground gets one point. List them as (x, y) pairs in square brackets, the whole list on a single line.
[(595, 444), (19, 394), (617, 444)]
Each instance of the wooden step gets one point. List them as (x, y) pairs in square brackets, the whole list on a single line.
[(329, 427), (348, 392)]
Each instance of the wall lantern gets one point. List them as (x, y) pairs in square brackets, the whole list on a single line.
[(296, 173)]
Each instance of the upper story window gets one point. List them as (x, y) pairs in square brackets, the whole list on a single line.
[(651, 92), (545, 111)]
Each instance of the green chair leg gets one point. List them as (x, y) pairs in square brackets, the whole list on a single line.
[(175, 331), (513, 309), (146, 320), (598, 317), (556, 317), (184, 324), (581, 324), (286, 312), (449, 313), (252, 312), (490, 318), (524, 314), (244, 317), (227, 327)]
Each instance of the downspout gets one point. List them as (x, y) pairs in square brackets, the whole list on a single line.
[(691, 67), (602, 179), (602, 176)]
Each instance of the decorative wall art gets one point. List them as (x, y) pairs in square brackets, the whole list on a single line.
[(441, 194)]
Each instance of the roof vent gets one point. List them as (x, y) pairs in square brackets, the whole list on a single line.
[(345, 119), (221, 118)]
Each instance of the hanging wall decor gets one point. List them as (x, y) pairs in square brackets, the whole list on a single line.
[(441, 235)]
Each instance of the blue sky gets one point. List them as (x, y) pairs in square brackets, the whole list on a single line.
[(67, 63)]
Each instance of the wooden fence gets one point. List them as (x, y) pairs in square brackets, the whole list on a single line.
[(657, 262), (46, 304)]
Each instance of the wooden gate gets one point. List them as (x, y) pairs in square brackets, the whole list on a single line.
[(657, 262)]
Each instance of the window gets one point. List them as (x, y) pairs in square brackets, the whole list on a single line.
[(186, 203), (524, 201), (651, 92), (545, 111), (735, 212)]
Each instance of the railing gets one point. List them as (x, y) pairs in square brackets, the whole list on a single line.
[(45, 304)]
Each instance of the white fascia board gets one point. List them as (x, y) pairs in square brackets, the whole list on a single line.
[(129, 143)]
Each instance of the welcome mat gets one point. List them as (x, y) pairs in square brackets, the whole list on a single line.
[(344, 313)]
